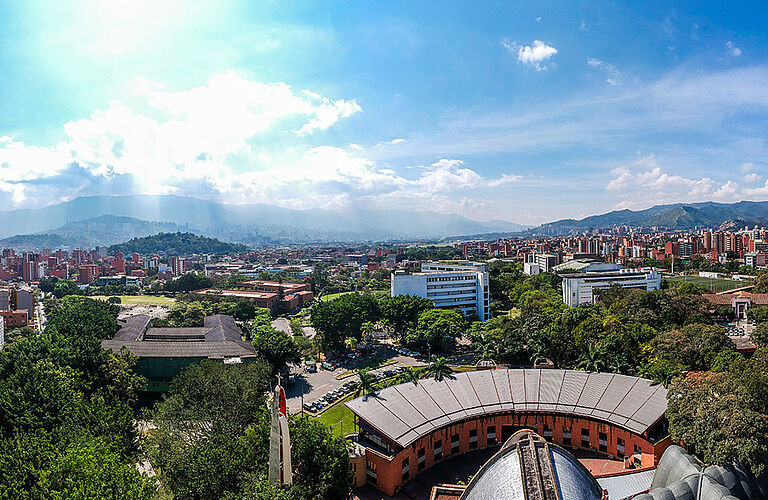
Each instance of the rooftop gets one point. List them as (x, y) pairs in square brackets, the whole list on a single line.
[(219, 337), (528, 468), (406, 412)]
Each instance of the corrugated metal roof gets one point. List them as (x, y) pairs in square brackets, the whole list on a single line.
[(406, 412), (624, 486)]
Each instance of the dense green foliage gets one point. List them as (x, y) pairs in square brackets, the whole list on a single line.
[(188, 282), (66, 425), (343, 318), (190, 312), (436, 330), (212, 439), (177, 244)]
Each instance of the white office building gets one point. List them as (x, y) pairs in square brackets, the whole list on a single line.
[(459, 285), (578, 288)]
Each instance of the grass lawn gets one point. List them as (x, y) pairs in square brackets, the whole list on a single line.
[(132, 300), (338, 418), (333, 296), (714, 285)]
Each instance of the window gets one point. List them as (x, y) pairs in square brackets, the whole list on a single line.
[(491, 435), (406, 469), (547, 432), (638, 456), (455, 443), (473, 439), (438, 449), (619, 447), (422, 459), (567, 437), (602, 441), (585, 438), (371, 473)]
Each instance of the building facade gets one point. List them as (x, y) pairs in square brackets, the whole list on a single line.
[(579, 288), (459, 285), (406, 429)]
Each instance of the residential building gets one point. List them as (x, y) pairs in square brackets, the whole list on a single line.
[(579, 288), (14, 319), (458, 285)]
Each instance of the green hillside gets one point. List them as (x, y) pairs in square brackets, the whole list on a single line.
[(178, 244)]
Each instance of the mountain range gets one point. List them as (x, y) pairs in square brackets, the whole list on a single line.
[(674, 217), (106, 220)]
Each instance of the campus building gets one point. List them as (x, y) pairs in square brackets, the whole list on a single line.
[(579, 288), (739, 302), (459, 285), (406, 429), (277, 297), (164, 352)]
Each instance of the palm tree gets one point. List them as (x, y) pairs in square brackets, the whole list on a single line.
[(618, 364), (593, 360), (439, 368), (410, 375), (365, 385)]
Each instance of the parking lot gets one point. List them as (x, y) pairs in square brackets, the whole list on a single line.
[(323, 388)]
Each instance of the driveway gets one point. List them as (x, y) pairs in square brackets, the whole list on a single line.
[(315, 385)]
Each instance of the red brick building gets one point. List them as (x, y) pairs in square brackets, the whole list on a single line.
[(14, 319), (405, 429)]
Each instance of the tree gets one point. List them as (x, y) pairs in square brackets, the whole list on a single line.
[(437, 329), (276, 346), (594, 360), (758, 314), (321, 462), (62, 288), (759, 335), (438, 368), (94, 469), (694, 347), (402, 311), (722, 416), (188, 282), (410, 375), (343, 317), (366, 383), (200, 442)]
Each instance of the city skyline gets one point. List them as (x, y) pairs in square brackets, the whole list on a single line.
[(486, 110)]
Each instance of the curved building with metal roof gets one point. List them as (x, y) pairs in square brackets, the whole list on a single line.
[(409, 427)]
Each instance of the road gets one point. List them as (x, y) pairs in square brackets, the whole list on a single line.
[(316, 385)]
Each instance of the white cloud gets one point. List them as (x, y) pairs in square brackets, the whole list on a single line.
[(538, 19), (232, 139), (614, 75), (645, 182), (753, 177), (534, 55), (393, 141), (583, 26), (732, 49)]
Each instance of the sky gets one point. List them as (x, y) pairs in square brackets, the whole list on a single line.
[(526, 111)]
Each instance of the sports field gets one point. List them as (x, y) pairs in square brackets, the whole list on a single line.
[(147, 300), (714, 285)]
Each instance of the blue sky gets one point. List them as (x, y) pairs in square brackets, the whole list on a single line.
[(524, 111)]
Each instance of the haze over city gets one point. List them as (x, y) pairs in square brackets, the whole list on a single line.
[(522, 111)]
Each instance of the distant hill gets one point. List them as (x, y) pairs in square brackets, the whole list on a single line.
[(251, 223), (177, 244), (102, 230), (674, 217)]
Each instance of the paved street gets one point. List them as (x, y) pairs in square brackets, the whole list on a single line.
[(316, 385)]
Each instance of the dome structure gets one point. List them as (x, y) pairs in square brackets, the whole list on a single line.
[(527, 467)]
